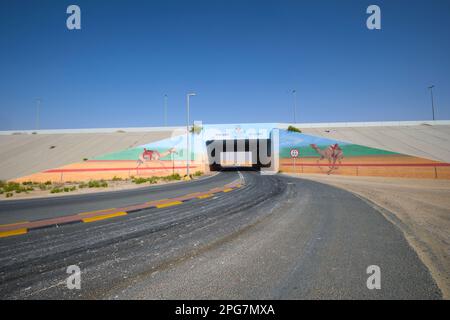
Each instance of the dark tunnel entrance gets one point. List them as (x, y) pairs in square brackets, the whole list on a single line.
[(251, 154)]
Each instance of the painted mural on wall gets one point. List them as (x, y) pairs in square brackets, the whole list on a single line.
[(159, 158), (156, 156), (173, 148), (328, 156), (316, 155)]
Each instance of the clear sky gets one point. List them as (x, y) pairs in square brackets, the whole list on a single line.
[(242, 57)]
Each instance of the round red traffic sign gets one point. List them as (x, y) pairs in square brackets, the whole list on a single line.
[(294, 153)]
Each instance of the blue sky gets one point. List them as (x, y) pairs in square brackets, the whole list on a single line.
[(242, 57)]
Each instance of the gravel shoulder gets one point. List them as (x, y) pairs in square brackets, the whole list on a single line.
[(419, 207)]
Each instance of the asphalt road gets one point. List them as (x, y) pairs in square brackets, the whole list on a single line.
[(276, 237), (12, 211)]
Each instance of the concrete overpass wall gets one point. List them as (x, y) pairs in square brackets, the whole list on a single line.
[(25, 153), (426, 139)]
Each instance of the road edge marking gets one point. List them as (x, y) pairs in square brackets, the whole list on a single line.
[(105, 216), (124, 212), (204, 196), (16, 232), (168, 204)]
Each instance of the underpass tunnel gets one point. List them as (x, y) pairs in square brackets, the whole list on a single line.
[(239, 153)]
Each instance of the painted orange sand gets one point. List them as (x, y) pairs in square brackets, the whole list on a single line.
[(385, 166), (107, 170)]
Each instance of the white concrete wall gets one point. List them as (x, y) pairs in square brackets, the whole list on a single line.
[(25, 154), (426, 139)]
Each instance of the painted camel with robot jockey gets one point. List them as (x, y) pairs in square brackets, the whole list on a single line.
[(332, 153)]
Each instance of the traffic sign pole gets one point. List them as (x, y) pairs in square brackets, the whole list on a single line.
[(294, 155)]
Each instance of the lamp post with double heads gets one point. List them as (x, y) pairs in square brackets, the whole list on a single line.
[(187, 132), (432, 99)]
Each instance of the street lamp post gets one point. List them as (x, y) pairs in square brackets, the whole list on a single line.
[(294, 93), (165, 110), (187, 132), (432, 99), (38, 107)]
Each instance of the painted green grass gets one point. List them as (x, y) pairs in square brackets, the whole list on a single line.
[(130, 154), (350, 150), (133, 155)]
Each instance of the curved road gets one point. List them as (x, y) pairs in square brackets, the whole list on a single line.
[(275, 237)]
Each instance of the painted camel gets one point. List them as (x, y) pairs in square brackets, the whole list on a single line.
[(332, 153), (152, 155)]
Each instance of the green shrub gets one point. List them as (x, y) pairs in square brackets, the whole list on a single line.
[(14, 186), (11, 186), (294, 129), (9, 194), (116, 179), (140, 180), (47, 183), (82, 185), (198, 173), (172, 177), (153, 180), (42, 186), (56, 190), (93, 184), (97, 184), (69, 189)]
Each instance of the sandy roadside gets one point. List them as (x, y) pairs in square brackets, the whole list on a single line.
[(419, 207)]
